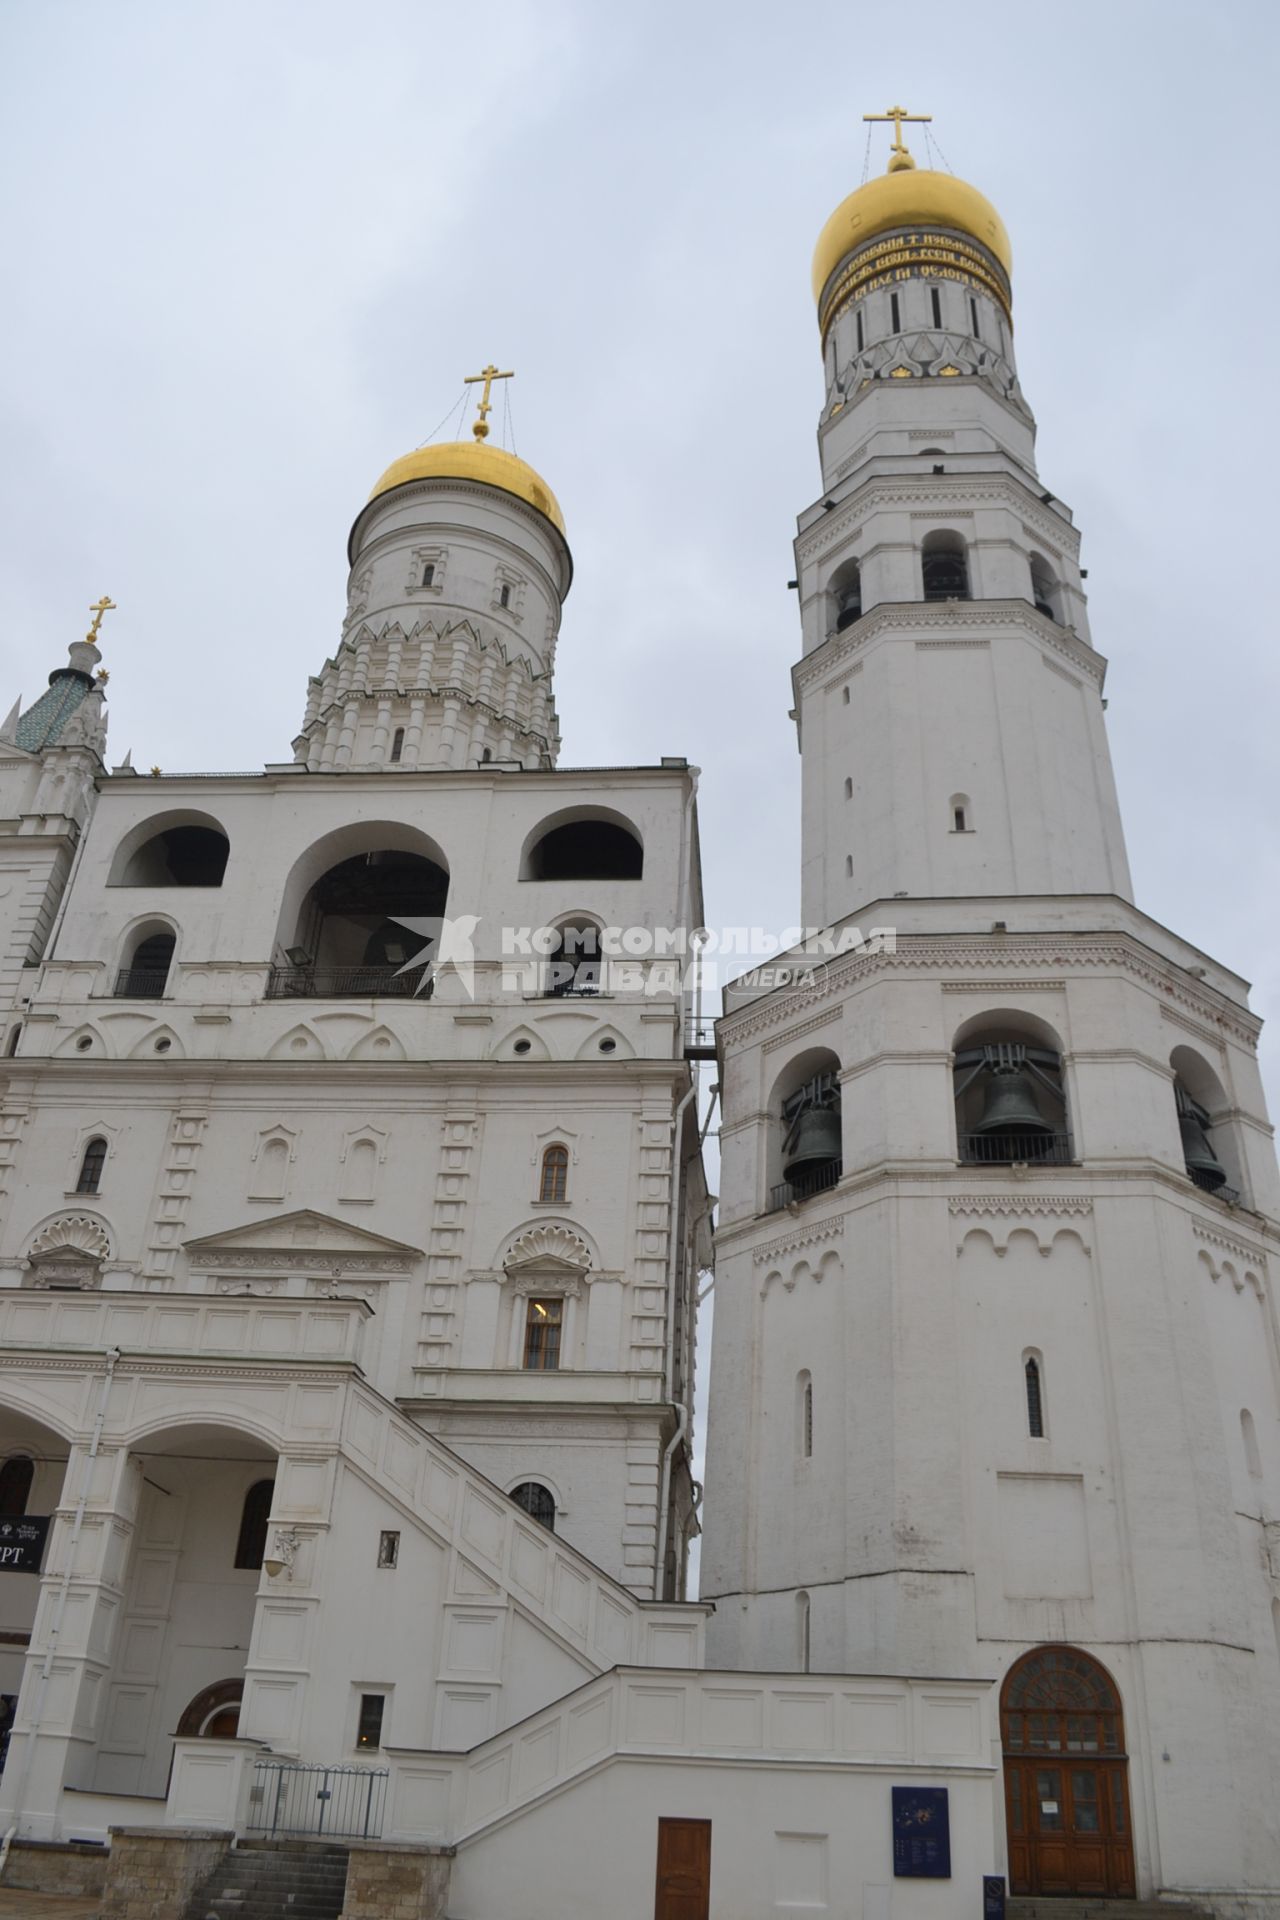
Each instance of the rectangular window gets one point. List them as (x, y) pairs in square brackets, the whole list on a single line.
[(973, 315), (894, 322), (369, 1726), (859, 324), (937, 306), (388, 1549), (542, 1335)]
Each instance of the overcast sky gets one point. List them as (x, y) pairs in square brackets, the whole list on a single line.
[(251, 250)]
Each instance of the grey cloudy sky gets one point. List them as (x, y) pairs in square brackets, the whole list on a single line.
[(252, 249)]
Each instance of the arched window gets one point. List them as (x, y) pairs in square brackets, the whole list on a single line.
[(1010, 1105), (802, 1630), (845, 595), (961, 813), (1035, 1398), (1044, 588), (147, 973), (95, 1159), (848, 866), (251, 1546), (944, 566), (537, 1502), (584, 848), (397, 743), (16, 1476), (1249, 1437), (805, 1144), (848, 787), (575, 964), (429, 574), (186, 855), (554, 1184), (356, 933)]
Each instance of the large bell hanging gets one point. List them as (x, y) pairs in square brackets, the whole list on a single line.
[(1011, 1105), (1203, 1163), (814, 1142)]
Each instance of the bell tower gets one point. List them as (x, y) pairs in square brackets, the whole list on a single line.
[(995, 1311)]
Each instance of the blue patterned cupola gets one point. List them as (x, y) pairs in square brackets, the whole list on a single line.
[(43, 724)]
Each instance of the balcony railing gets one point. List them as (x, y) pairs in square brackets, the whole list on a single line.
[(141, 983), (819, 1180), (347, 983), (1004, 1149), (1218, 1188)]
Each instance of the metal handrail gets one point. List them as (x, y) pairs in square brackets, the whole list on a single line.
[(141, 983), (341, 1802), (342, 983), (1004, 1149), (820, 1180)]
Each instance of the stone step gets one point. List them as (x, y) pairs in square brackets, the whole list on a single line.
[(274, 1880), (1083, 1907)]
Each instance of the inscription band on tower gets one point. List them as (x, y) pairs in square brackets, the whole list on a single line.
[(933, 255)]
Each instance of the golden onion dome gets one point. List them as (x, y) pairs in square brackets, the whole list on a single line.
[(906, 198), (473, 460)]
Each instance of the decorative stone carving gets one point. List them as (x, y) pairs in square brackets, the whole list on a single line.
[(549, 1245), (73, 1233)]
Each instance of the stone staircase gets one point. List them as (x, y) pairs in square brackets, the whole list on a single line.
[(1085, 1907), (273, 1880)]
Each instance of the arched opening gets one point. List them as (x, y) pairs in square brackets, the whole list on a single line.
[(538, 1502), (16, 1476), (1033, 1384), (1045, 591), (397, 744), (583, 844), (32, 1485), (960, 810), (214, 1714), (1010, 1103), (1066, 1777), (255, 1514), (844, 593), (172, 850), (357, 929), (804, 1415), (92, 1162), (145, 973), (575, 964), (553, 1187), (944, 566), (1210, 1150), (806, 1154)]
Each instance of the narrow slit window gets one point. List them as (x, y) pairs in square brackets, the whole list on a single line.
[(959, 821), (895, 324), (936, 297), (542, 1336), (369, 1725), (397, 743), (504, 597), (95, 1159), (429, 574), (251, 1546), (848, 789), (1035, 1401), (807, 1420), (388, 1549), (848, 866), (973, 315), (858, 322)]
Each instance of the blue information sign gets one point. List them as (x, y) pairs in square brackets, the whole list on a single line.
[(921, 1833)]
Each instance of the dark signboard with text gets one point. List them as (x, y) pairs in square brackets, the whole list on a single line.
[(22, 1543), (921, 1833)]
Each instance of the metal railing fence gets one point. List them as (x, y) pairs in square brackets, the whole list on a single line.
[(342, 1803)]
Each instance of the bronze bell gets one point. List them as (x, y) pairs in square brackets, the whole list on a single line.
[(1203, 1163), (1011, 1105), (814, 1141)]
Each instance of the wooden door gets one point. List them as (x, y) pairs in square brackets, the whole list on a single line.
[(684, 1870), (1066, 1777)]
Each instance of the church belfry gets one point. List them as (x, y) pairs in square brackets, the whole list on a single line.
[(994, 1307), (459, 571)]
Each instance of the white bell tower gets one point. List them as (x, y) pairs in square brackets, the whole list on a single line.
[(995, 1384)]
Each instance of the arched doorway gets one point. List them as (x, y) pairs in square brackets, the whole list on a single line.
[(1066, 1776), (214, 1714)]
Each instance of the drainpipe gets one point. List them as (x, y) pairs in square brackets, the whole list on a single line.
[(682, 1417), (60, 1604)]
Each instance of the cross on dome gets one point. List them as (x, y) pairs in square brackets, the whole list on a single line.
[(488, 374), (900, 157)]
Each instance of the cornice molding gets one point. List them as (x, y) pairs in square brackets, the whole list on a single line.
[(953, 494), (925, 620), (830, 1229)]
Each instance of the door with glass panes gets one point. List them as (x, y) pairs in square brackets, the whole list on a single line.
[(1066, 1777)]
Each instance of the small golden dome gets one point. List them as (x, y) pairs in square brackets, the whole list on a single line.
[(472, 460), (908, 196)]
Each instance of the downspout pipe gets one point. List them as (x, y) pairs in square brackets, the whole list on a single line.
[(673, 1265), (60, 1605)]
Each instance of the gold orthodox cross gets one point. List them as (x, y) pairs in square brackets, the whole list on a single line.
[(488, 374), (898, 115), (98, 608)]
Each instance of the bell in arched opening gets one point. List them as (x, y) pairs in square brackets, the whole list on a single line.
[(1202, 1162), (1009, 1104), (812, 1144)]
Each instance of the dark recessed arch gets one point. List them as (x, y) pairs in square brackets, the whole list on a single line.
[(583, 843), (175, 849)]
